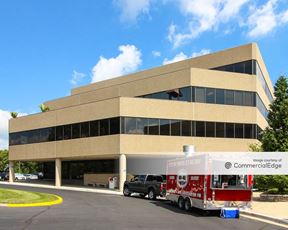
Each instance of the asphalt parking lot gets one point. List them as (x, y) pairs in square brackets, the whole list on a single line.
[(81, 210)]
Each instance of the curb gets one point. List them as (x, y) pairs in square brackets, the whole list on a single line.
[(271, 218)]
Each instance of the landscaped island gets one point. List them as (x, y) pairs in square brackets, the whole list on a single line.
[(20, 198)]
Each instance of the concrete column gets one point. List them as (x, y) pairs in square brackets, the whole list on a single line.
[(122, 171), (58, 172), (11, 172)]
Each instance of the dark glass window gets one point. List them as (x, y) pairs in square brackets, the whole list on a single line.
[(186, 128), (210, 129), (164, 127), (24, 137), (44, 135), (104, 127), (59, 133), (239, 67), (229, 97), (76, 130), (130, 125), (230, 130), (51, 134), (67, 132), (154, 126), (210, 95), (220, 96), (248, 131), (238, 98), (122, 124), (175, 128), (239, 131), (185, 94), (142, 125), (199, 94), (114, 125), (220, 129), (248, 99), (85, 129), (248, 67), (200, 128), (94, 128)]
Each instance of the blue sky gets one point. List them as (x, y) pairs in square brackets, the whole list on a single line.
[(49, 47)]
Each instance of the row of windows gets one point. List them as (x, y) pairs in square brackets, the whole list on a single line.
[(65, 132), (131, 125), (248, 67), (152, 126), (212, 95)]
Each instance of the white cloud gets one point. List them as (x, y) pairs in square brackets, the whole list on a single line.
[(262, 20), (200, 53), (181, 56), (127, 61), (265, 19), (132, 9), (203, 15), (4, 118), (156, 53), (77, 77), (178, 57)]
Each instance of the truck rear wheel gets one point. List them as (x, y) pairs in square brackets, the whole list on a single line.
[(151, 194), (181, 203), (187, 204)]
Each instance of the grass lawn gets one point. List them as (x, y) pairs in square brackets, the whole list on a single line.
[(12, 196)]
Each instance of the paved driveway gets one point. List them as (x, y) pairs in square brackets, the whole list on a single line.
[(82, 210)]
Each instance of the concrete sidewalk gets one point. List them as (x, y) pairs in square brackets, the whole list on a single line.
[(273, 211), (69, 188)]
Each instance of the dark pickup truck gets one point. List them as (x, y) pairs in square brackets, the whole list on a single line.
[(151, 185)]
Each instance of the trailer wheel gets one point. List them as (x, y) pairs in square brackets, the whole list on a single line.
[(187, 204), (181, 203)]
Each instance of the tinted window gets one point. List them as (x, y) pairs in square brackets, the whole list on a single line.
[(200, 128), (239, 67), (175, 128), (85, 129), (164, 127), (230, 130), (185, 94), (154, 126), (94, 128), (142, 125), (229, 97), (44, 134), (248, 99), (52, 134), (238, 98), (248, 131), (210, 95), (199, 94), (220, 129), (239, 131), (186, 128), (130, 125), (220, 96), (67, 132), (114, 125), (76, 130), (59, 133), (150, 178), (104, 127), (210, 129), (248, 67)]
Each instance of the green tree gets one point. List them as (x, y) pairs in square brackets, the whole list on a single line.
[(14, 114), (275, 137), (3, 160), (44, 108)]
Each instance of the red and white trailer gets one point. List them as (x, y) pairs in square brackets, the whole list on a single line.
[(207, 192)]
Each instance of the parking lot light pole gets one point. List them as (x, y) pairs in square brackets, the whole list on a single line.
[(122, 171), (11, 171)]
